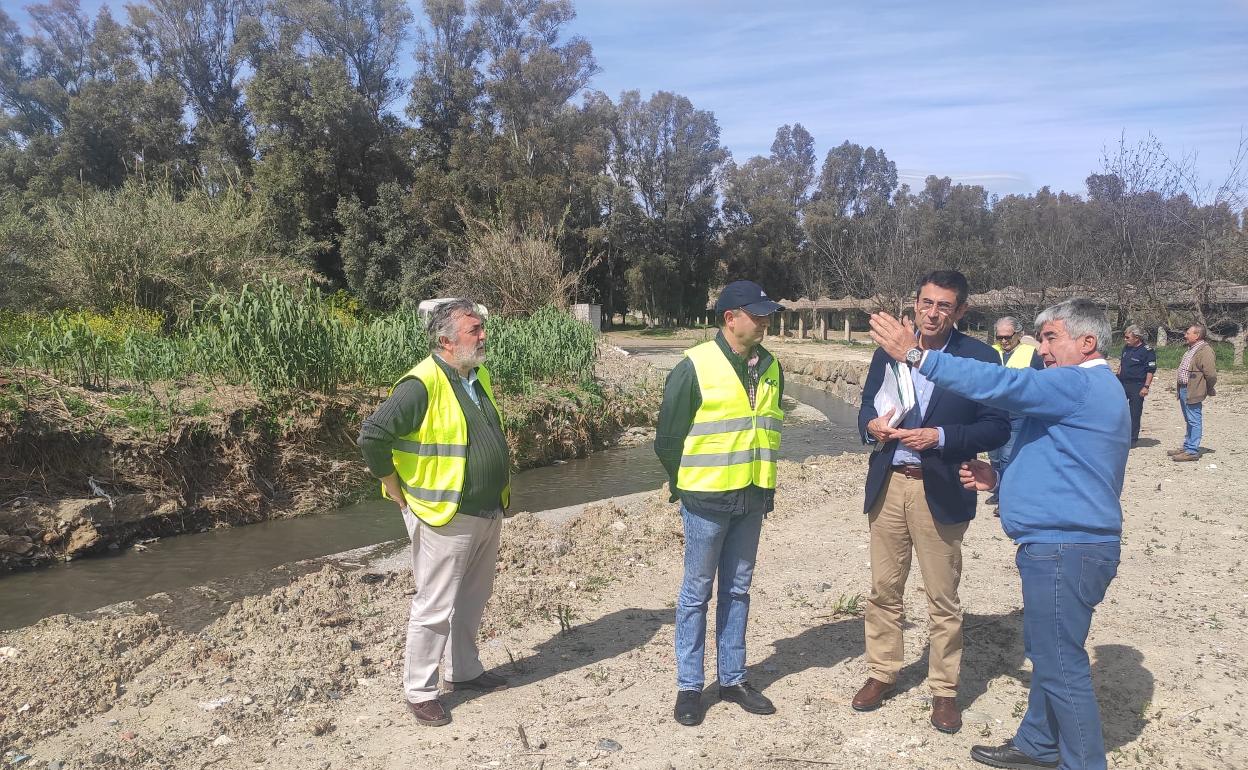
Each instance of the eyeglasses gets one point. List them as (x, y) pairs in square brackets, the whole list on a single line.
[(944, 308), (1004, 337)]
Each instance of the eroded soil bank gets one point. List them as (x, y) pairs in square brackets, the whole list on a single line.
[(86, 471)]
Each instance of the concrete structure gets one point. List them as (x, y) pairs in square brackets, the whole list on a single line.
[(590, 314)]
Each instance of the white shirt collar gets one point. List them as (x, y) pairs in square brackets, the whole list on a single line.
[(1094, 362)]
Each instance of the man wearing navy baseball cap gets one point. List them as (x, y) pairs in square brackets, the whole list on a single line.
[(718, 439)]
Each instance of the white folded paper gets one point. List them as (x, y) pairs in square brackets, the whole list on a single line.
[(895, 393)]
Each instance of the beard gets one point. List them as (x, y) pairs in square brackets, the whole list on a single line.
[(468, 356)]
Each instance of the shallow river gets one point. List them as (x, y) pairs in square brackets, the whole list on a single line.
[(212, 567)]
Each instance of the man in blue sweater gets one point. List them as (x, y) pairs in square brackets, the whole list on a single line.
[(1060, 506)]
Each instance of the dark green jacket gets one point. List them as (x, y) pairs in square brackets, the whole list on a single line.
[(682, 397)]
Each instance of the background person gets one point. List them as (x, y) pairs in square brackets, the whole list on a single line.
[(1197, 376), (1136, 368), (718, 438), (915, 502), (1015, 354)]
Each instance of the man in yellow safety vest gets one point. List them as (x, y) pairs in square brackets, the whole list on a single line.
[(718, 438), (437, 445), (1015, 354)]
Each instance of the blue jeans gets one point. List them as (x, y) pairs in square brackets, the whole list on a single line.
[(1062, 584), (1192, 415), (728, 545), (1000, 457)]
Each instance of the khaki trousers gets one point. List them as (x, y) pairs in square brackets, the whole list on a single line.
[(453, 566), (901, 521)]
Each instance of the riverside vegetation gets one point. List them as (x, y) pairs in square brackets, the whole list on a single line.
[(114, 427)]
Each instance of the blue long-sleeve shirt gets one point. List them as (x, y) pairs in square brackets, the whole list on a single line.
[(1070, 455)]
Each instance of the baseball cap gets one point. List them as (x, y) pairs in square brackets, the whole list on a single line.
[(747, 296)]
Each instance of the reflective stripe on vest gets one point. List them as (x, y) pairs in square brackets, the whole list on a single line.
[(1020, 357), (730, 445), (431, 460)]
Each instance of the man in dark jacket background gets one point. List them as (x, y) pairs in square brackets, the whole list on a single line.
[(1136, 368), (915, 501)]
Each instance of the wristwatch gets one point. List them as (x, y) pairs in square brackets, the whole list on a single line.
[(914, 356)]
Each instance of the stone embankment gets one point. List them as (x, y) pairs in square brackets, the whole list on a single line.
[(842, 378)]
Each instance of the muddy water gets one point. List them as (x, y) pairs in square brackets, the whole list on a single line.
[(196, 572)]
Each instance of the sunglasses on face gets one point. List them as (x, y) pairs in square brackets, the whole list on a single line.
[(1004, 337)]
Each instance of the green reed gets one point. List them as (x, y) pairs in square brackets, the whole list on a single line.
[(279, 339)]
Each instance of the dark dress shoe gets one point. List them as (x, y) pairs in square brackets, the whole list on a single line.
[(945, 714), (1006, 756), (872, 695), (487, 682), (430, 713), (747, 698), (689, 707)]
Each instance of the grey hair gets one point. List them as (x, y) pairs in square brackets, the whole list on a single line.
[(441, 321), (1008, 319), (1201, 329), (1081, 317), (1135, 331)]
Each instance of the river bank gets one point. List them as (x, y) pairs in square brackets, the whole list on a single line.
[(87, 471), (581, 621)]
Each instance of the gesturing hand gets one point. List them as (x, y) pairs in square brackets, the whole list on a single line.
[(977, 475), (895, 337)]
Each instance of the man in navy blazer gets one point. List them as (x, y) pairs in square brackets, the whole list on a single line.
[(915, 501)]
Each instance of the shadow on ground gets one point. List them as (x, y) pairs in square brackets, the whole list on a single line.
[(993, 648), (607, 637)]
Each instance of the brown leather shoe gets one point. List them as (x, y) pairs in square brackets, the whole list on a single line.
[(1175, 452), (1186, 457), (945, 714), (430, 713), (872, 695)]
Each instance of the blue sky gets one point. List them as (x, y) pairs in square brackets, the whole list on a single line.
[(1013, 96), (1010, 95)]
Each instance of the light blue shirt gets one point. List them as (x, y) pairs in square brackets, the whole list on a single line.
[(923, 389), (470, 383), (467, 383)]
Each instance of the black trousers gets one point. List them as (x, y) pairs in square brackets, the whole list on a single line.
[(1136, 403)]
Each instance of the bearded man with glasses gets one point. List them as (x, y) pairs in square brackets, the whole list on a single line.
[(915, 501)]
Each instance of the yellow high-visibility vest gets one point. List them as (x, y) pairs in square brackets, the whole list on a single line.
[(730, 444), (431, 460), (1020, 357)]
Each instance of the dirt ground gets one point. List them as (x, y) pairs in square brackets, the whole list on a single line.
[(308, 676)]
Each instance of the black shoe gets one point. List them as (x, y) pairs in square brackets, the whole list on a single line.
[(486, 682), (747, 698), (689, 707), (1006, 756)]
